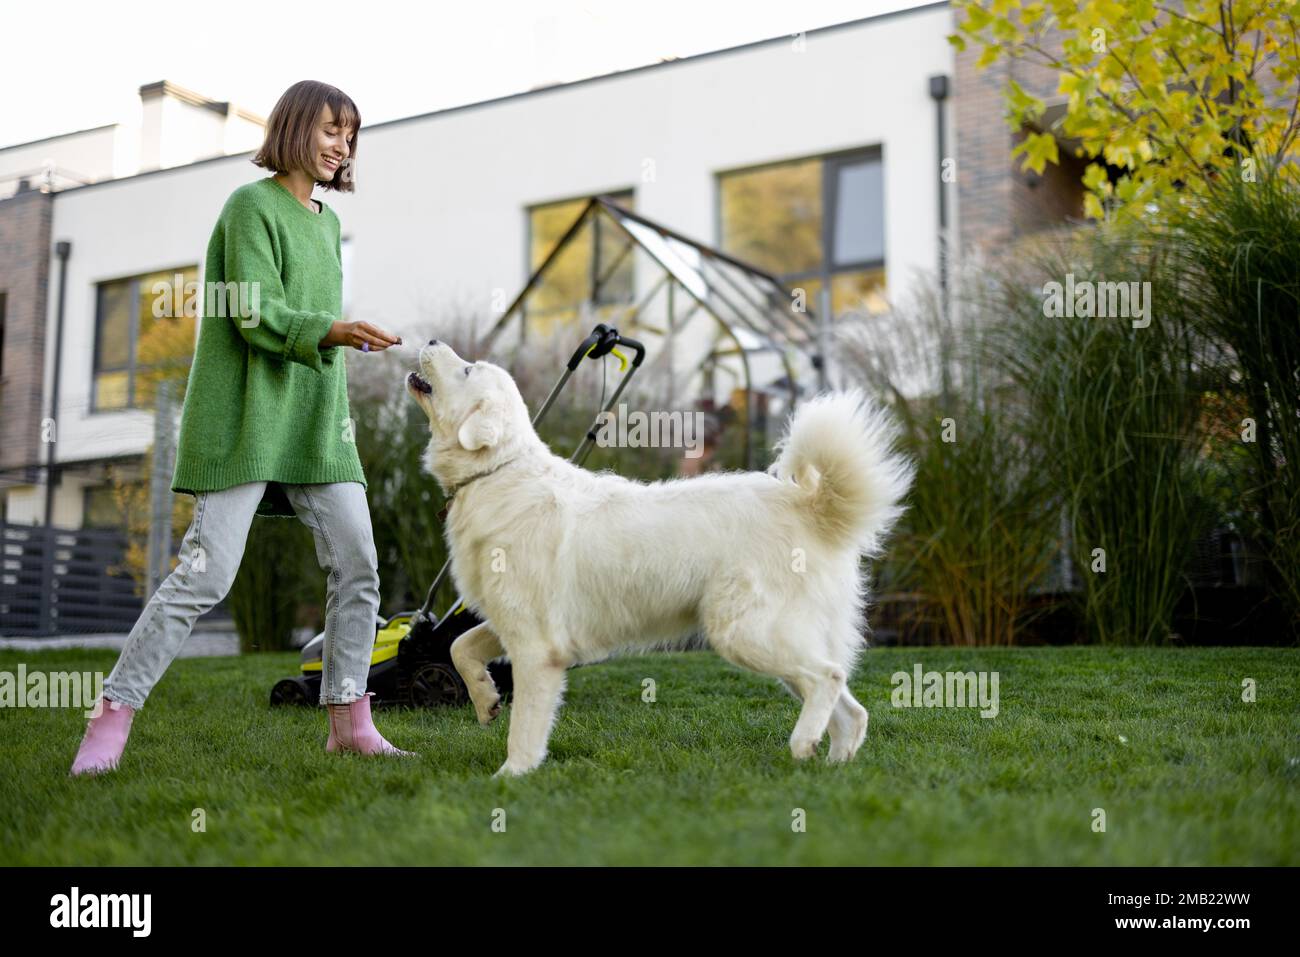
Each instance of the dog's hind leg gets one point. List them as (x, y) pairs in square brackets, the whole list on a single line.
[(539, 686), (846, 735), (470, 653), (820, 685), (848, 724), (848, 727), (739, 627)]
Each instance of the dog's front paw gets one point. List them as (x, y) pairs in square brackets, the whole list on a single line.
[(803, 748), (508, 771), (488, 709)]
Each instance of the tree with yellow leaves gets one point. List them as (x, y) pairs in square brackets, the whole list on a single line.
[(1175, 95)]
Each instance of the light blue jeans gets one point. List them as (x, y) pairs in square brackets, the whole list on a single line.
[(210, 555)]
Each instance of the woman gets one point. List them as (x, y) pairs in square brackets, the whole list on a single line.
[(265, 428)]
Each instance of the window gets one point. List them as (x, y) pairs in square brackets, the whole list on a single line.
[(144, 333), (812, 223), (101, 508), (598, 260)]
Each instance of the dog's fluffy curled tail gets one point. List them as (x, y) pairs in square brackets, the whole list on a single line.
[(839, 450)]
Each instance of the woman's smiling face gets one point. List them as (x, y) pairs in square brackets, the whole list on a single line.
[(333, 146)]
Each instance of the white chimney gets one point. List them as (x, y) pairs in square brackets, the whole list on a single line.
[(179, 126)]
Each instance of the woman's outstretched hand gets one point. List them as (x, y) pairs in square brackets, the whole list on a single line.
[(359, 335)]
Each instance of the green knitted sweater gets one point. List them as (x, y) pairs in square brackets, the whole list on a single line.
[(264, 402)]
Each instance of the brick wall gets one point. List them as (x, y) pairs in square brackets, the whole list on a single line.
[(25, 277), (997, 203)]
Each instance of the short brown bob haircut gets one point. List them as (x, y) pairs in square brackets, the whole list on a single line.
[(291, 131)]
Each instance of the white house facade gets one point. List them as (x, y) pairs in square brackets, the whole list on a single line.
[(446, 202)]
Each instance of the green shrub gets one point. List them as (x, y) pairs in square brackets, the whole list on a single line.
[(1113, 406), (979, 534), (1236, 255)]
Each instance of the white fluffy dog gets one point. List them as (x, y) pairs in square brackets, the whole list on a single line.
[(567, 566)]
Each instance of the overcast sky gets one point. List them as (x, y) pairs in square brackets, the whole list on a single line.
[(80, 64)]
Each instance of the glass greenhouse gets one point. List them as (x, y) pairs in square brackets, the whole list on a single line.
[(721, 336)]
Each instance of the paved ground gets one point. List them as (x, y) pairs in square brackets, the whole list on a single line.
[(201, 644), (212, 645), (210, 639)]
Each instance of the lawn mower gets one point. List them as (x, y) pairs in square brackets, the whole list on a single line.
[(411, 662)]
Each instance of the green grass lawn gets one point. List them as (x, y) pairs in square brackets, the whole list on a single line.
[(701, 776)]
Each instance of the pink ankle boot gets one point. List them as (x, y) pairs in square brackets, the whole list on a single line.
[(105, 739), (352, 730)]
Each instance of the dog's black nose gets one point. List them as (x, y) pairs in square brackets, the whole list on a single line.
[(433, 342)]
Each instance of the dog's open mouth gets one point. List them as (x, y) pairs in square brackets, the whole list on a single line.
[(418, 384)]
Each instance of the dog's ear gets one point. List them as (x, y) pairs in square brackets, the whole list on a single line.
[(482, 427)]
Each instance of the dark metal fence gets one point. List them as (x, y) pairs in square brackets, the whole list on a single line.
[(57, 581)]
